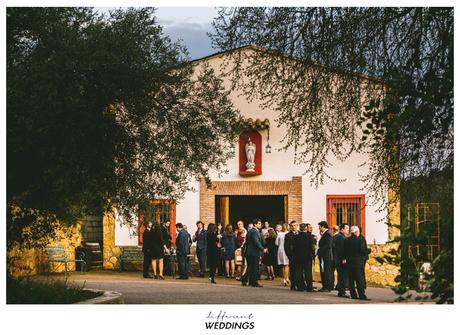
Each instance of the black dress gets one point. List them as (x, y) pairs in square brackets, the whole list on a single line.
[(212, 253), (157, 244), (270, 258)]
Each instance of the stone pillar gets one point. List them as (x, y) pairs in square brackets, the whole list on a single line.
[(111, 253), (394, 213)]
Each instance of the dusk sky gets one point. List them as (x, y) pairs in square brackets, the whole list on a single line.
[(190, 24)]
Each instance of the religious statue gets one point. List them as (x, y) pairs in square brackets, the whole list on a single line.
[(250, 149)]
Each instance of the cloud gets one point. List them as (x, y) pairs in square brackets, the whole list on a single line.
[(193, 36)]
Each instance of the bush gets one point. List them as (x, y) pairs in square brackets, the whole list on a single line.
[(33, 291)]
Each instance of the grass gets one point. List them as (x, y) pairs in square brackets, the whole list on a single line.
[(31, 291)]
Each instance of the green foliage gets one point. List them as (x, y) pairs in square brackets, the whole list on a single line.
[(441, 279), (104, 110), (345, 80), (32, 291)]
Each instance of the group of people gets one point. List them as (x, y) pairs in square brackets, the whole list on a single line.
[(288, 250)]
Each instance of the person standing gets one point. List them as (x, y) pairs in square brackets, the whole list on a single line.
[(183, 249), (254, 250), (335, 232), (167, 239), (325, 257), (289, 249), (229, 247), (304, 249), (190, 242), (356, 253), (221, 262), (270, 257), (200, 238), (339, 259), (158, 251), (239, 258), (264, 230), (366, 258), (212, 251), (282, 258), (147, 248)]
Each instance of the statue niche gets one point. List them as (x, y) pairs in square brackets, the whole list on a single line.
[(250, 149), (250, 160)]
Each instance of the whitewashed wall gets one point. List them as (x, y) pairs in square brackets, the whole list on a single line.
[(279, 165)]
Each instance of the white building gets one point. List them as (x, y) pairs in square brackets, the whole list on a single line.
[(276, 191)]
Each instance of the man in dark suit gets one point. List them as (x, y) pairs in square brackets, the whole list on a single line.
[(335, 232), (200, 238), (182, 250), (325, 257), (304, 251), (294, 267), (254, 250), (339, 259), (356, 253), (366, 258)]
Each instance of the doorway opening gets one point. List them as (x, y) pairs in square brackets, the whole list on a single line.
[(271, 208)]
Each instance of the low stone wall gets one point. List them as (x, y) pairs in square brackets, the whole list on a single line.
[(27, 262), (378, 273)]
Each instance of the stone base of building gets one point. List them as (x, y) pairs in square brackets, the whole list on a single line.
[(27, 262)]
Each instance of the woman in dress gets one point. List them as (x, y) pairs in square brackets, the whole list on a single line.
[(270, 257), (265, 229), (240, 238), (158, 251), (221, 262), (212, 251), (229, 247), (281, 255), (147, 246)]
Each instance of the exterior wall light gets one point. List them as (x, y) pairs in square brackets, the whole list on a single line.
[(268, 148)]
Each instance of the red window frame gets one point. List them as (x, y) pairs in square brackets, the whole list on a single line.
[(358, 199), (172, 218)]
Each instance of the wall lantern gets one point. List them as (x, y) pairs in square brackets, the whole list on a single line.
[(268, 148), (232, 149)]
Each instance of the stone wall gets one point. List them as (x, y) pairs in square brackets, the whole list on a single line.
[(91, 229), (381, 274), (111, 252), (27, 262)]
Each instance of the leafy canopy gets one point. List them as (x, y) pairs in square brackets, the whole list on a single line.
[(104, 110), (344, 80)]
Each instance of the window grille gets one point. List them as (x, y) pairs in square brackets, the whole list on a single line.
[(423, 220), (346, 209)]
